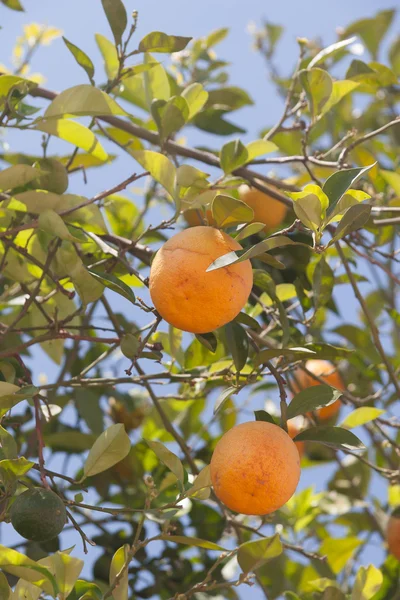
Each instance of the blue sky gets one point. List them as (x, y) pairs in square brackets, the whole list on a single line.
[(80, 20)]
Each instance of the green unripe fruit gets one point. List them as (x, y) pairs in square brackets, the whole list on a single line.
[(56, 178), (38, 515)]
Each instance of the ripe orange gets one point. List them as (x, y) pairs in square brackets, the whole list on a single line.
[(293, 430), (393, 533), (266, 209), (188, 297), (255, 468), (327, 372)]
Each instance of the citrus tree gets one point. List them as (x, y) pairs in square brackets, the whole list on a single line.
[(208, 308)]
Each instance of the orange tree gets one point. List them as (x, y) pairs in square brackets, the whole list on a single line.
[(118, 441)]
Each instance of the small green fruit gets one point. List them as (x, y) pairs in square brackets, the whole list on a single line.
[(38, 515)]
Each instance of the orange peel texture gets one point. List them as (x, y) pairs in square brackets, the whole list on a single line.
[(255, 468), (188, 297)]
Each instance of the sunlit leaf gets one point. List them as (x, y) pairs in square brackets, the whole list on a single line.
[(116, 16), (81, 58), (312, 398), (335, 437), (169, 459), (161, 42), (119, 560), (360, 416), (74, 133)]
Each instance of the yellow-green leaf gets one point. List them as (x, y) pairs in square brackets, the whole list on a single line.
[(169, 459), (17, 176), (317, 85), (117, 17), (120, 558), (157, 41), (228, 211), (109, 449), (339, 551), (5, 590), (340, 89), (51, 222), (74, 133), (360, 416), (367, 583), (258, 148), (191, 541), (81, 58), (83, 100), (18, 564), (110, 55), (159, 167), (202, 484), (196, 97)]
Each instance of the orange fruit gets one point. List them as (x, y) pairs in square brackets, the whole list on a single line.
[(329, 374), (293, 430), (393, 533), (255, 468), (188, 297), (266, 209)]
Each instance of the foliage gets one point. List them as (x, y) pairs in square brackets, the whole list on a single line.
[(124, 429)]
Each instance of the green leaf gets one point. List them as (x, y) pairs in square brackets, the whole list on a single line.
[(335, 437), (350, 198), (291, 353), (360, 416), (262, 415), (238, 344), (120, 558), (161, 42), (339, 551), (115, 284), (318, 86), (13, 4), (393, 179), (159, 167), (312, 398), (74, 133), (130, 345), (355, 218), (88, 406), (186, 176), (81, 58), (117, 18), (66, 570), (340, 89), (81, 101), (208, 340), (259, 148), (337, 184), (367, 583), (19, 565), (13, 469), (252, 555), (249, 230), (233, 155), (228, 211), (174, 115), (310, 206), (10, 395), (5, 590), (323, 283), (330, 51), (109, 54), (109, 449), (16, 176), (223, 398), (372, 30), (210, 119), (229, 98), (394, 55), (169, 459), (8, 444), (191, 541), (53, 224), (196, 97), (201, 486), (232, 258)]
